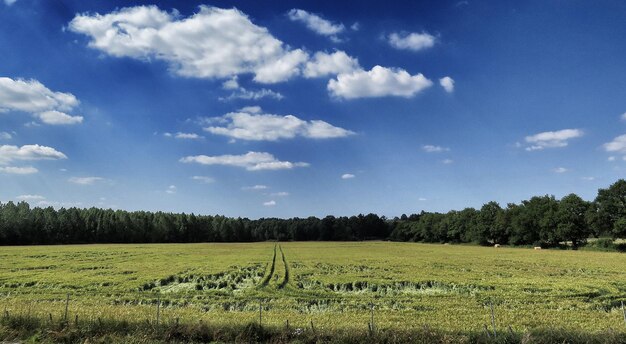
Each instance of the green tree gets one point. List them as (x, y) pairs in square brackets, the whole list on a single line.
[(571, 220), (611, 207)]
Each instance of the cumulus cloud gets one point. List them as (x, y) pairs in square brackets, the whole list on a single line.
[(269, 203), (171, 189), (231, 84), (324, 64), (251, 161), (618, 146), (317, 24), (347, 176), (251, 109), (203, 179), (447, 161), (268, 127), (560, 170), (282, 68), (378, 82), (10, 153), (623, 116), (447, 83), (19, 170), (552, 139), (212, 43), (33, 97), (55, 117), (434, 149), (85, 180), (30, 197), (5, 136), (411, 41)]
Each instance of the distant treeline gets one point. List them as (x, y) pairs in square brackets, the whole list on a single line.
[(542, 220)]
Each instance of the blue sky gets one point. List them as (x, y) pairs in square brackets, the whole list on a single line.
[(259, 109)]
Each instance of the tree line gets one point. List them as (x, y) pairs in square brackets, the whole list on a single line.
[(541, 220)]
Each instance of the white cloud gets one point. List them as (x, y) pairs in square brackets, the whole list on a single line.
[(231, 84), (85, 180), (5, 136), (55, 117), (560, 170), (187, 136), (33, 97), (213, 43), (434, 149), (255, 187), (447, 83), (280, 194), (171, 189), (411, 41), (422, 199), (19, 170), (611, 158), (589, 179), (552, 139), (268, 127), (243, 93), (378, 82), (282, 68), (30, 197), (317, 24), (623, 116), (9, 2), (618, 145), (251, 161), (269, 203), (203, 179), (323, 64), (28, 152), (347, 176), (56, 204), (251, 109), (447, 161)]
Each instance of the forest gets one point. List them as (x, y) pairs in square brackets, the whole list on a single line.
[(540, 221)]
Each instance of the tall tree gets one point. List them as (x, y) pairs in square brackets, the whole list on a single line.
[(611, 210), (571, 219)]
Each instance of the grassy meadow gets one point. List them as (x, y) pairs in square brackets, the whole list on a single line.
[(317, 287)]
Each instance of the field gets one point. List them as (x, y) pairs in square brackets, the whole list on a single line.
[(318, 287)]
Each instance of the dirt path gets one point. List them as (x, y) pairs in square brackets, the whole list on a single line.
[(286, 266), (268, 277), (278, 274)]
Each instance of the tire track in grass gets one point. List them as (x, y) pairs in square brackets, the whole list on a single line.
[(268, 277), (286, 277)]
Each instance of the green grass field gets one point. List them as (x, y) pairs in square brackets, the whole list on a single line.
[(331, 285)]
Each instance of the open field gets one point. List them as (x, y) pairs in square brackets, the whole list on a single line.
[(330, 285)]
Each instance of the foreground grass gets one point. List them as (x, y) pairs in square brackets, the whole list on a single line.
[(314, 292), (114, 331)]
